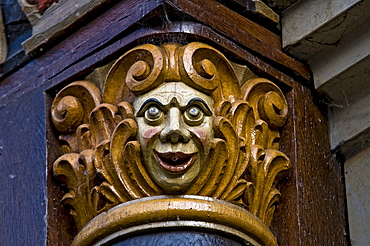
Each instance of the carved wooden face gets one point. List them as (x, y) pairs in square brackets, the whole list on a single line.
[(175, 131)]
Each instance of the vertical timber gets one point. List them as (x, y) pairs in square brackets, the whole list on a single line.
[(313, 207)]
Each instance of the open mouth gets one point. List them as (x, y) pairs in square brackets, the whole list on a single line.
[(175, 162)]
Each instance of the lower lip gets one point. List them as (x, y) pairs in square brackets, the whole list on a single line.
[(176, 168)]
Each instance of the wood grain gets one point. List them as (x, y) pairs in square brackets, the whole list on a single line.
[(253, 36), (60, 224), (134, 16), (312, 208), (311, 211), (22, 171)]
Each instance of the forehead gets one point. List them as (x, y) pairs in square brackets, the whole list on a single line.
[(167, 91)]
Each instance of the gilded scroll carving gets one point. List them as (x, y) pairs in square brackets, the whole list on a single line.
[(172, 120)]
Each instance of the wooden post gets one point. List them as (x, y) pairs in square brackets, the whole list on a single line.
[(311, 209)]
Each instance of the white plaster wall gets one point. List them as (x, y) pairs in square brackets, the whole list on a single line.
[(333, 37), (357, 175)]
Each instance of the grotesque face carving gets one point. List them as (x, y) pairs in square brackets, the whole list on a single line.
[(218, 140), (175, 131)]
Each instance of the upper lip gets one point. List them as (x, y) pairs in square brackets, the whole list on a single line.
[(175, 161)]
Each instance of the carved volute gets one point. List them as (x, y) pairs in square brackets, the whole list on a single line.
[(173, 141)]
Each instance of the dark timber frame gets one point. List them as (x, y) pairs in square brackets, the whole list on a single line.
[(312, 206)]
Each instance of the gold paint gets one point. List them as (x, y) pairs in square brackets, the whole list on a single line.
[(106, 140), (175, 208)]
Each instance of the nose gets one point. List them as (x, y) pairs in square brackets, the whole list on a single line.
[(174, 130)]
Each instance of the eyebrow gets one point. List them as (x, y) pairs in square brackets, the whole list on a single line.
[(196, 100), (200, 102), (148, 102)]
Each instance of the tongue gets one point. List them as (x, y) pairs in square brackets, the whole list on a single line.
[(175, 158)]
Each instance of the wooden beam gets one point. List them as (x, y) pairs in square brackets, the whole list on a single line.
[(312, 208), (251, 35)]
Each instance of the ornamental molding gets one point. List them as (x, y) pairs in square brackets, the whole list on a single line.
[(114, 170)]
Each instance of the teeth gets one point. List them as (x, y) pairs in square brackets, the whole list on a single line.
[(175, 162)]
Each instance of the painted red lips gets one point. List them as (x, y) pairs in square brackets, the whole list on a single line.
[(175, 162)]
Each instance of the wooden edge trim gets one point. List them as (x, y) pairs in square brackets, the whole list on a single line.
[(242, 30), (174, 208)]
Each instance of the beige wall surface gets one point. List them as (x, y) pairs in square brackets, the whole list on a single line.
[(333, 38), (357, 174)]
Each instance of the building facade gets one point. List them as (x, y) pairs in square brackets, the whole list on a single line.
[(311, 53)]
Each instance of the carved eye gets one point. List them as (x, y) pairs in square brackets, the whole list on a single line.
[(153, 114), (194, 112), (194, 116)]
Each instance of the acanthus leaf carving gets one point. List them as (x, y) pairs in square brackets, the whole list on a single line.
[(104, 159), (77, 172)]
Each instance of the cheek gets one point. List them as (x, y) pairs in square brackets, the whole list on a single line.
[(202, 135), (148, 135)]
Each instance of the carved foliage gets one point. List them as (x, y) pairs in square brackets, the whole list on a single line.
[(102, 164)]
